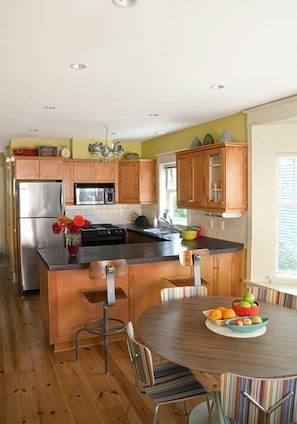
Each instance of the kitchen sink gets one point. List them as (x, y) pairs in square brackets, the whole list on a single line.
[(157, 230)]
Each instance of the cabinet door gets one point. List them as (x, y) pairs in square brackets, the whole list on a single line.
[(26, 169), (222, 273), (68, 181), (83, 171), (199, 180), (50, 169), (147, 182), (215, 179), (105, 172), (184, 181), (128, 182)]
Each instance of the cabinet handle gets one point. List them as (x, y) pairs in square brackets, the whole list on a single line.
[(190, 201)]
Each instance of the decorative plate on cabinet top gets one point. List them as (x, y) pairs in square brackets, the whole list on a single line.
[(196, 142), (208, 139)]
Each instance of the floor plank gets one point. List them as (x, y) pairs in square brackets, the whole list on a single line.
[(40, 386)]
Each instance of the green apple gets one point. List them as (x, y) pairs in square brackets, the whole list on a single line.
[(245, 304), (236, 303), (254, 305), (249, 297), (256, 320)]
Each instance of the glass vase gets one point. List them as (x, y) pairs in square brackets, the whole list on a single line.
[(72, 242)]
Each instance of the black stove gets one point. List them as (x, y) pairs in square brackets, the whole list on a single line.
[(100, 234)]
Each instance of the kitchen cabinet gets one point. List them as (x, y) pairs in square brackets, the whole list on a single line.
[(83, 171), (222, 273), (137, 181), (213, 177), (32, 168), (105, 172), (50, 168), (26, 168), (68, 179)]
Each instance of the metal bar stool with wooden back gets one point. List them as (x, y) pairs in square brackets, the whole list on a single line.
[(106, 296), (193, 258)]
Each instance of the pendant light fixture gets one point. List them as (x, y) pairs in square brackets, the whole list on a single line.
[(124, 3), (106, 152)]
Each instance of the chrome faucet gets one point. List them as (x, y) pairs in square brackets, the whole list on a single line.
[(165, 219)]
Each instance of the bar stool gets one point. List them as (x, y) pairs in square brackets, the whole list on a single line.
[(193, 258), (107, 296)]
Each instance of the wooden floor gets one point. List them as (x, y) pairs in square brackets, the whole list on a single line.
[(39, 386)]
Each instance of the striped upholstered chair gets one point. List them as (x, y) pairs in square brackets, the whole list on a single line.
[(171, 293), (164, 383), (273, 296), (245, 400)]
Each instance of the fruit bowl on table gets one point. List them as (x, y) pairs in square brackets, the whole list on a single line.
[(214, 321), (246, 328), (243, 311)]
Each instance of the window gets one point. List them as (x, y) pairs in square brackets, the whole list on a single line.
[(272, 223), (286, 251), (167, 194)]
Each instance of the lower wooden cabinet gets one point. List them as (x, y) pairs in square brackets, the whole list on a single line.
[(222, 274), (64, 309)]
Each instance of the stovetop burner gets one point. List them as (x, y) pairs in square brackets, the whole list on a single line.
[(103, 226), (98, 234)]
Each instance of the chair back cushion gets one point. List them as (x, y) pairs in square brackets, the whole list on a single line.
[(265, 392), (273, 296), (172, 293), (142, 361)]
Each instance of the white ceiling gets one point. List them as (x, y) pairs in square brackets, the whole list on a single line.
[(160, 56)]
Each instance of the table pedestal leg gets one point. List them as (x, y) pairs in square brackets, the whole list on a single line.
[(199, 415)]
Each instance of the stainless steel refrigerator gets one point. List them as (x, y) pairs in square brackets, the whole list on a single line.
[(38, 203)]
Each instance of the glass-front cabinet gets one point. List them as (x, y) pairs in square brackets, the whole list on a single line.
[(213, 177)]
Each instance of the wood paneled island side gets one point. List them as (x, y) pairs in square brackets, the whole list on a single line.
[(64, 309)]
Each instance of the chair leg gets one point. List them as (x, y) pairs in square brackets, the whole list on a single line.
[(105, 337), (77, 351), (156, 414)]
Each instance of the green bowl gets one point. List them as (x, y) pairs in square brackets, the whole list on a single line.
[(246, 328)]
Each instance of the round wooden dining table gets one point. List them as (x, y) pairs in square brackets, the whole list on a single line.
[(179, 331)]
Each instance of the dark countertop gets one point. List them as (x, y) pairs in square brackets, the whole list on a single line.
[(166, 248)]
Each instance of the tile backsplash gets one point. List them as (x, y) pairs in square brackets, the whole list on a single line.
[(232, 229)]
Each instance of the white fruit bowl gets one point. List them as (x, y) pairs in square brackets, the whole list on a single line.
[(246, 328)]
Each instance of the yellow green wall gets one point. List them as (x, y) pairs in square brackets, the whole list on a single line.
[(234, 124), (80, 147), (179, 140)]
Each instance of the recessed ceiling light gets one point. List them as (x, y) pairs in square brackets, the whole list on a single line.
[(124, 3), (78, 66), (216, 86)]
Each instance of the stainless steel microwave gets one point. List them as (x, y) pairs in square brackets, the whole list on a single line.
[(94, 194)]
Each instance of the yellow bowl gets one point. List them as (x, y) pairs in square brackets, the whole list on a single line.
[(188, 234)]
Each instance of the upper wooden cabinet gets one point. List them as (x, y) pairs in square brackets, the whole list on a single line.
[(88, 171), (137, 181), (68, 179), (106, 172), (213, 177), (32, 168)]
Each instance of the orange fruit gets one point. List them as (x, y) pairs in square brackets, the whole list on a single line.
[(228, 313), (216, 314), (221, 308)]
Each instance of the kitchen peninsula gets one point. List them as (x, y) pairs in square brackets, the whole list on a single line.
[(64, 309)]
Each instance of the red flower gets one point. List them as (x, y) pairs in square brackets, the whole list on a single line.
[(56, 228), (71, 225)]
